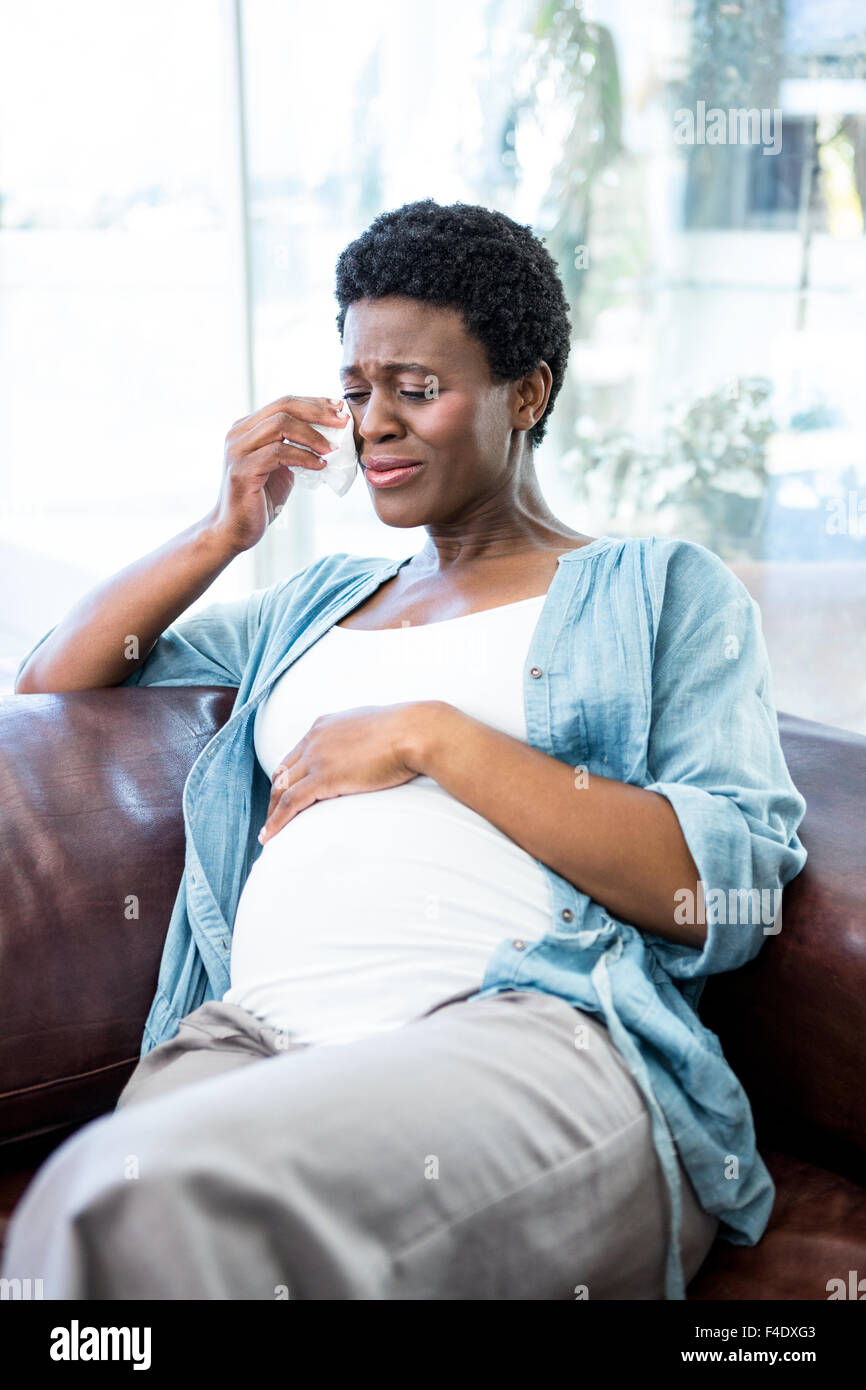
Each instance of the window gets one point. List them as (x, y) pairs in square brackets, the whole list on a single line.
[(179, 179), (121, 346)]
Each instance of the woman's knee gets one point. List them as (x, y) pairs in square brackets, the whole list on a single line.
[(108, 1155)]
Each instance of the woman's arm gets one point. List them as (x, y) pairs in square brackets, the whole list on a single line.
[(109, 633), (619, 844)]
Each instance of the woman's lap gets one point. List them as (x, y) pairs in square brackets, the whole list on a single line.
[(491, 1149)]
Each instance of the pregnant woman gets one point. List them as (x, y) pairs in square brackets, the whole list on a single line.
[(457, 867)]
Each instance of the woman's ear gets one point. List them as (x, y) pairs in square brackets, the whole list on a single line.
[(531, 396)]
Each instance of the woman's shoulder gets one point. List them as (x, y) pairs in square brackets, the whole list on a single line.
[(673, 553), (683, 578)]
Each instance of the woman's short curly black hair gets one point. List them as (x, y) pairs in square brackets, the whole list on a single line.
[(496, 272)]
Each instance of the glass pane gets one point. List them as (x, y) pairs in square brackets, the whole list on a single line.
[(121, 365)]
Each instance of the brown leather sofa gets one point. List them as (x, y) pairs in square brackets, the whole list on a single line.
[(91, 815)]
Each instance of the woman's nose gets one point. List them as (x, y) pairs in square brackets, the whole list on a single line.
[(379, 417)]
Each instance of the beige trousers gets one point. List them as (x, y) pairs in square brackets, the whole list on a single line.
[(490, 1149)]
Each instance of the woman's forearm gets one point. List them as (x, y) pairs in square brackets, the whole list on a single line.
[(619, 844), (110, 631)]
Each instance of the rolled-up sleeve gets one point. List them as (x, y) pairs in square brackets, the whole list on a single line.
[(714, 753), (211, 647)]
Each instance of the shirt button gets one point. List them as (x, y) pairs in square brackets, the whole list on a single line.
[(567, 914), (519, 945), (535, 672)]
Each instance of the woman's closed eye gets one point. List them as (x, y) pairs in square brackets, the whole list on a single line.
[(410, 395)]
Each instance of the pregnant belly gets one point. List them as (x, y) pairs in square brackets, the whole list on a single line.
[(393, 885)]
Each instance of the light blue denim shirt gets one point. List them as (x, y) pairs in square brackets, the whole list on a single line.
[(647, 665)]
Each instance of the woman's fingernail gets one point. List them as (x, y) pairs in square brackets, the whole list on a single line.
[(261, 836)]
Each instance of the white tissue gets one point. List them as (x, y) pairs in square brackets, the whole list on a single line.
[(341, 467)]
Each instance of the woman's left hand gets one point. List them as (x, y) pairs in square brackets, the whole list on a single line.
[(365, 749)]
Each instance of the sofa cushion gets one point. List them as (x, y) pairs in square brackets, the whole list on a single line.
[(817, 1232)]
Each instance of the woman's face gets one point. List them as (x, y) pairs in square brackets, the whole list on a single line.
[(419, 388)]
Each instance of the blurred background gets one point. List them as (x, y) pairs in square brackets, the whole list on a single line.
[(178, 177)]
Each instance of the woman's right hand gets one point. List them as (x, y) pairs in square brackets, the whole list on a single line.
[(256, 481)]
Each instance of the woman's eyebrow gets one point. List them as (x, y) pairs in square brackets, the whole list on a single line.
[(391, 367)]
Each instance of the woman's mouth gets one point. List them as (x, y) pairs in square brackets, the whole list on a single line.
[(388, 473)]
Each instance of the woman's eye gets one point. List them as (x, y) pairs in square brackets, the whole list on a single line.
[(410, 395)]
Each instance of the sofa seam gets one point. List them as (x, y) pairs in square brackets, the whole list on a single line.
[(64, 1080)]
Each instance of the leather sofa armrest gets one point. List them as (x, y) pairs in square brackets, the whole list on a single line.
[(91, 830), (792, 1022)]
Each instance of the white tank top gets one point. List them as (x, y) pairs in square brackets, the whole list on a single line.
[(367, 910)]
